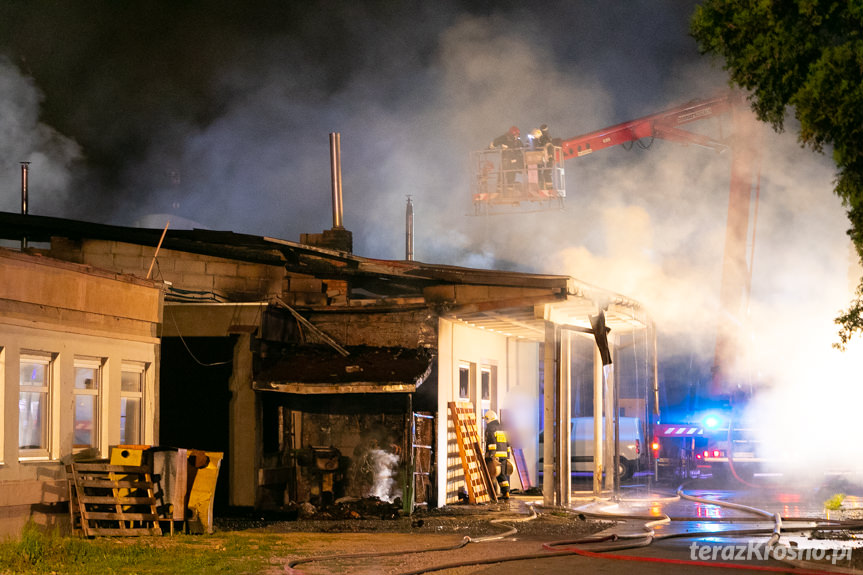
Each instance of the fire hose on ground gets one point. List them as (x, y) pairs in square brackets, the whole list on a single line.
[(510, 530), (603, 546)]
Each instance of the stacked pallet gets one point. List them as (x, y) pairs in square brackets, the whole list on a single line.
[(112, 499)]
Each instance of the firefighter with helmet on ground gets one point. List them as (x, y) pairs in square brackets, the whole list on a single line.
[(497, 452)]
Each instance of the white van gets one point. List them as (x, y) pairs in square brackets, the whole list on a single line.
[(581, 444)]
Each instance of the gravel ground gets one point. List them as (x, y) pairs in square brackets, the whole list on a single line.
[(429, 537), (450, 536), (471, 520)]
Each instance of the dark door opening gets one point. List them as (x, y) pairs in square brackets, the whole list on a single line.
[(194, 399)]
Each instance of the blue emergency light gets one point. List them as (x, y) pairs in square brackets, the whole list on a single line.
[(711, 421)]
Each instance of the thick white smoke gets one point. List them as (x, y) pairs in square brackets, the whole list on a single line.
[(805, 273), (659, 239), (24, 138)]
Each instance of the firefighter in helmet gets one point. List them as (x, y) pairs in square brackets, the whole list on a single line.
[(497, 452), (540, 139), (512, 155)]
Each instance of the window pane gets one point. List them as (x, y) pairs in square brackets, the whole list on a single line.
[(86, 378), (31, 419), (130, 420), (85, 420), (463, 380), (486, 388), (32, 373), (131, 381)]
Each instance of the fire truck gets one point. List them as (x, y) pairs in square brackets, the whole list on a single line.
[(718, 442), (712, 438)]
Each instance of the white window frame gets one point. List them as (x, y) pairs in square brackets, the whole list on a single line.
[(47, 388), (96, 364), (141, 370)]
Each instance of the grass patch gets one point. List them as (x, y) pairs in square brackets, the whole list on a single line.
[(38, 552)]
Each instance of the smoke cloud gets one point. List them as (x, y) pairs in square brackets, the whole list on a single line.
[(228, 127), (25, 138)]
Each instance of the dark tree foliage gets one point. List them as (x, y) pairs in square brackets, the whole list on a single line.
[(805, 56)]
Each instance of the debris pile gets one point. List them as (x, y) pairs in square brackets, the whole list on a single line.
[(352, 508)]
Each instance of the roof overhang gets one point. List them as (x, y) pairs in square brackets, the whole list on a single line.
[(527, 318)]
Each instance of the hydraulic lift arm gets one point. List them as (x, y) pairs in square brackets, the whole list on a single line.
[(665, 125), (736, 280)]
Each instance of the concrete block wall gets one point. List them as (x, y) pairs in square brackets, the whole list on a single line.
[(303, 290), (337, 292), (235, 280)]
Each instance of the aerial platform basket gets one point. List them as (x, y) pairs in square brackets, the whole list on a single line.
[(517, 180)]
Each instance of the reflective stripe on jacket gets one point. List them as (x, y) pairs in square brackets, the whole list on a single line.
[(496, 444)]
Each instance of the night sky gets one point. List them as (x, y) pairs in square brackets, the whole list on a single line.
[(237, 99)]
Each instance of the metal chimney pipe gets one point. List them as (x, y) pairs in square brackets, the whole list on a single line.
[(336, 176), (25, 167), (409, 231)]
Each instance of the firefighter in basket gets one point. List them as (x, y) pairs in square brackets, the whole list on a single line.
[(511, 156), (497, 452)]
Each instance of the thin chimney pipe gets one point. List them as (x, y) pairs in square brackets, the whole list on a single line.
[(25, 168), (336, 176), (409, 231)]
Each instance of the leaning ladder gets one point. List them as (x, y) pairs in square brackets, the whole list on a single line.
[(476, 477)]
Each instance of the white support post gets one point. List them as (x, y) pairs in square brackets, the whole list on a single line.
[(549, 375), (608, 449), (598, 458), (565, 417)]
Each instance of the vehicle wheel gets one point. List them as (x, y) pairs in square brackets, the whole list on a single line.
[(625, 469)]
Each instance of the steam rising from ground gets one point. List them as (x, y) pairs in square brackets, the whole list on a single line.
[(384, 468)]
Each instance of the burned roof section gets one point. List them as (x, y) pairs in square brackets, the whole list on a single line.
[(310, 369)]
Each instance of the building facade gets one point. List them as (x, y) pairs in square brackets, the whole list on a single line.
[(79, 358), (304, 363)]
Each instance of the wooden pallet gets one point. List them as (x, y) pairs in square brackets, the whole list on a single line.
[(113, 499), (476, 477), (74, 510)]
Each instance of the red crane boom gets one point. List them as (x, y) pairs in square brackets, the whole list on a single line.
[(664, 125), (736, 274)]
